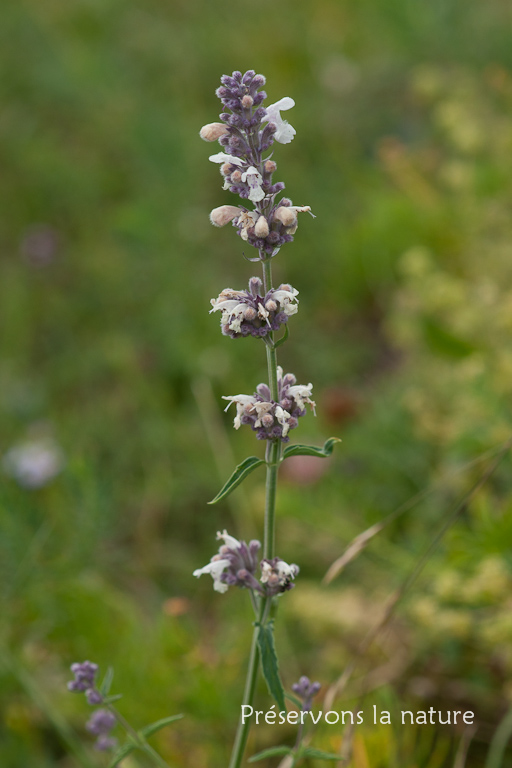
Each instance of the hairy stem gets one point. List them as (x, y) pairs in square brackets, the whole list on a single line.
[(272, 457), (242, 732)]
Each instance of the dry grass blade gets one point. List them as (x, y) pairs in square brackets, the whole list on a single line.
[(462, 752), (352, 551), (359, 543), (336, 688)]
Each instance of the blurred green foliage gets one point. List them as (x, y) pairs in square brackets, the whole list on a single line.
[(403, 150)]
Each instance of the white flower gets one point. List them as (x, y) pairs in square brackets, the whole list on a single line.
[(285, 132), (253, 178), (302, 394), (221, 157), (215, 568), (286, 296), (228, 540), (246, 220), (242, 403), (281, 570), (283, 417), (261, 409), (263, 313), (34, 463)]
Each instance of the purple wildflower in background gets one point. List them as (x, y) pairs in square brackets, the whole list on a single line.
[(100, 724), (306, 690), (273, 420), (85, 676), (249, 313)]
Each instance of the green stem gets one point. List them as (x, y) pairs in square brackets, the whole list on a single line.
[(272, 457), (242, 732)]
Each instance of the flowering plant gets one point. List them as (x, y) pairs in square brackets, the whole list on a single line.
[(246, 132)]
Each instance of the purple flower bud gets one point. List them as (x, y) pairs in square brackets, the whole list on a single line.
[(104, 743), (93, 697), (100, 722)]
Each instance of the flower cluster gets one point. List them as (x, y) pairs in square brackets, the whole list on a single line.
[(306, 690), (247, 130), (273, 420), (236, 564), (85, 681), (101, 721), (252, 313)]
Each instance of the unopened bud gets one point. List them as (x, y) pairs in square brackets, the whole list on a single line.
[(247, 101), (222, 215), (236, 177), (255, 285), (270, 166), (250, 313), (261, 228), (286, 216), (285, 287), (267, 420), (213, 131), (271, 305), (224, 169)]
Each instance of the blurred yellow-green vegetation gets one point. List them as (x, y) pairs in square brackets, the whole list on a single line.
[(404, 152)]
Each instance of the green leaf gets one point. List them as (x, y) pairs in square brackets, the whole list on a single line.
[(318, 754), (107, 682), (121, 753), (111, 699), (149, 730), (311, 450), (272, 752), (269, 663), (282, 339), (240, 473)]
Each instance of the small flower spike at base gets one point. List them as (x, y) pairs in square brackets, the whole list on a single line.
[(100, 724), (273, 420), (85, 677), (306, 690), (253, 313)]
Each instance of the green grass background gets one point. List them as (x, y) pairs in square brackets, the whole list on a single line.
[(403, 150)]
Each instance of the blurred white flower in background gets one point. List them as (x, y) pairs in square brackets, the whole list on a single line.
[(35, 461)]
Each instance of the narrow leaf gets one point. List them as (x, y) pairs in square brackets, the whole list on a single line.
[(112, 699), (121, 753), (318, 754), (240, 473), (282, 339), (271, 752), (107, 682), (149, 730), (311, 450), (269, 663)]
